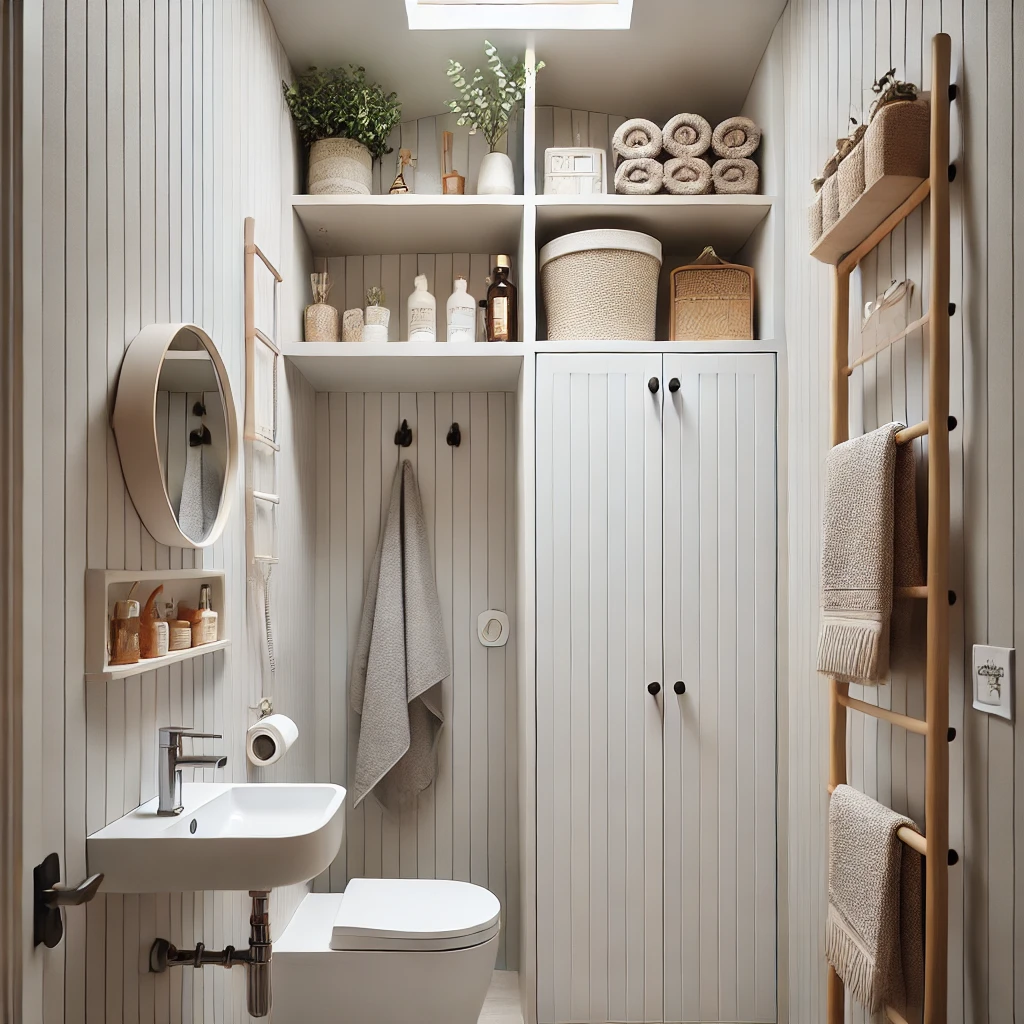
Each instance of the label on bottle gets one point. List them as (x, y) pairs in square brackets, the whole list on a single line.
[(461, 323), (421, 321), (499, 318)]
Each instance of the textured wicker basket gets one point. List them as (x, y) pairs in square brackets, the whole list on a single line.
[(322, 323), (601, 286), (850, 178), (897, 141), (712, 300)]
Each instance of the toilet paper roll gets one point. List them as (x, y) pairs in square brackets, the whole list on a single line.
[(269, 739)]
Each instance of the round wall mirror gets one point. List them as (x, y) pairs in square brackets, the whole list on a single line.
[(177, 434)]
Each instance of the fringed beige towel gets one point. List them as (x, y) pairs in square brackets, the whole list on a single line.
[(873, 935), (863, 526), (401, 656)]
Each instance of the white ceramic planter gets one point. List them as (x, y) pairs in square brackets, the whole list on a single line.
[(375, 332), (497, 177), (338, 167)]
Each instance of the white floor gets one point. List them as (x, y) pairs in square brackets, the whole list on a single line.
[(502, 1003)]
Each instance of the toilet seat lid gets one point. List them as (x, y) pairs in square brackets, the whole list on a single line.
[(414, 913)]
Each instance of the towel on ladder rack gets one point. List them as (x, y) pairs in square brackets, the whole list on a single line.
[(874, 932), (400, 659), (869, 545)]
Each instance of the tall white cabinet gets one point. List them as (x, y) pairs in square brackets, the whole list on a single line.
[(656, 687)]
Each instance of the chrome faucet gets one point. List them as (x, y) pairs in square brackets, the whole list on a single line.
[(172, 760)]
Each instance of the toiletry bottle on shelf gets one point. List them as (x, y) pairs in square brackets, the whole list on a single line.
[(422, 313), (124, 631), (461, 314), (204, 627), (502, 305)]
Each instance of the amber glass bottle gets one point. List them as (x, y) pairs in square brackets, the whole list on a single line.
[(502, 304)]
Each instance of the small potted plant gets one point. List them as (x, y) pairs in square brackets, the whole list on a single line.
[(487, 101), (377, 316), (346, 122)]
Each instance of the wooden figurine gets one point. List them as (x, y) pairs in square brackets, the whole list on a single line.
[(452, 183), (398, 186)]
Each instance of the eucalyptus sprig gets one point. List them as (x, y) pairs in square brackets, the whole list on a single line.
[(487, 100), (341, 103)]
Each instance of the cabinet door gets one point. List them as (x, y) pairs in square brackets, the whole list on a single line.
[(599, 757), (720, 734)]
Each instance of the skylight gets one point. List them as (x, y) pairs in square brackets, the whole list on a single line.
[(519, 14)]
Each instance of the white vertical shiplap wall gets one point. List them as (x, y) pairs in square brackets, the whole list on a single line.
[(151, 131), (833, 53), (466, 825)]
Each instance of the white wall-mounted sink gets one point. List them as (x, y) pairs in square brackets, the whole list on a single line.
[(245, 836)]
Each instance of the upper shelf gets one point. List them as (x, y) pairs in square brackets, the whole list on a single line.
[(353, 225), (680, 223)]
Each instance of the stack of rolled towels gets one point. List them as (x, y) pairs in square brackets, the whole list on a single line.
[(674, 158)]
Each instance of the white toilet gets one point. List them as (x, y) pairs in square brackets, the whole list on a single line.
[(387, 951)]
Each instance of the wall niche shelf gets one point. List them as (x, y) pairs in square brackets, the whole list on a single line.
[(407, 366), (678, 222), (352, 225), (104, 586)]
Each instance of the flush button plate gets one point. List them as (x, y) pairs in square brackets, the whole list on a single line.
[(492, 628), (993, 675)]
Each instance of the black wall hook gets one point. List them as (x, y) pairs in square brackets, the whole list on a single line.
[(201, 435), (403, 436), (454, 437)]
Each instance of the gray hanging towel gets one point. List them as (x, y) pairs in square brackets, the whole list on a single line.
[(200, 492), (400, 659)]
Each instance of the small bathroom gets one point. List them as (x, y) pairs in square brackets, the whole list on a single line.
[(509, 512)]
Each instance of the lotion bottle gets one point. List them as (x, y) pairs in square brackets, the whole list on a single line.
[(461, 314), (422, 313)]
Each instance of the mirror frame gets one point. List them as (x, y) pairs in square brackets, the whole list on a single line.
[(134, 424)]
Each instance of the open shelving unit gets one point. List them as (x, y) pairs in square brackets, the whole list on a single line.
[(105, 586)]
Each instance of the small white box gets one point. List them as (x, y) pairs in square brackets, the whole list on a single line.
[(574, 171)]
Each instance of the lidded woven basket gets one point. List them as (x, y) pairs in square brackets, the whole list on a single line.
[(601, 286), (712, 300)]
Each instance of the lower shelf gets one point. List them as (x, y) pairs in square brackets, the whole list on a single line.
[(407, 366), (152, 664)]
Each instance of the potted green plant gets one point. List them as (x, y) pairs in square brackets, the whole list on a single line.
[(487, 101), (377, 316), (346, 122)]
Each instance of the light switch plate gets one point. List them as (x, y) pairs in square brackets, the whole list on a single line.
[(993, 680)]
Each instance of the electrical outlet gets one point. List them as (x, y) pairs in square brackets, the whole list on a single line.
[(993, 680)]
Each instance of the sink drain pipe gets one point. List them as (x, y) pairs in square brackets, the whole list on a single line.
[(256, 959)]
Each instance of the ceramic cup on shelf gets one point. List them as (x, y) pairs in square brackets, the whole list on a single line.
[(497, 177), (377, 320)]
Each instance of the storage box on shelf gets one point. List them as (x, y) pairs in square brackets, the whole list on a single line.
[(103, 587)]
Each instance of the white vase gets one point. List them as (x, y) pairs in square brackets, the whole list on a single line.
[(338, 167), (377, 320), (497, 177)]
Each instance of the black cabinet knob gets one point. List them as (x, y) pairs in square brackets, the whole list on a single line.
[(680, 687), (653, 384), (654, 689), (673, 385)]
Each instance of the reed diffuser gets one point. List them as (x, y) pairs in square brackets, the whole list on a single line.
[(322, 320)]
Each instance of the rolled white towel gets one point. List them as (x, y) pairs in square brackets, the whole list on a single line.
[(686, 135), (688, 176), (639, 178), (637, 139), (736, 138), (736, 177)]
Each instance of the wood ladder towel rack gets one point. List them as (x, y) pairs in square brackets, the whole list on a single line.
[(935, 726)]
